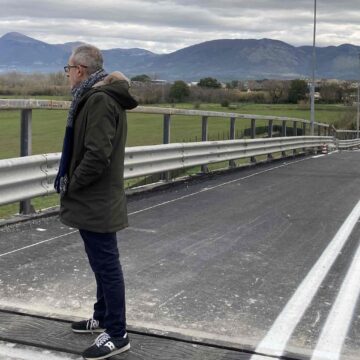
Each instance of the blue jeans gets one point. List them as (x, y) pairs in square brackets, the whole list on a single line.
[(103, 254)]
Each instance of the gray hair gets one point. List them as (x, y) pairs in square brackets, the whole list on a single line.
[(89, 56)]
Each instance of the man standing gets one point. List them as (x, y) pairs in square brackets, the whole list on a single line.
[(91, 184)]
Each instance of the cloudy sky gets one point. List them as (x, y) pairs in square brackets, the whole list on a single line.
[(167, 25)]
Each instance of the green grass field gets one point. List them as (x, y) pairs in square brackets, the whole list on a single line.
[(143, 129)]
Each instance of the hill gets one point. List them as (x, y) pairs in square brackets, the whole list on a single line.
[(225, 59)]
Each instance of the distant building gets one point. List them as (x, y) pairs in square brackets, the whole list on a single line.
[(158, 81)]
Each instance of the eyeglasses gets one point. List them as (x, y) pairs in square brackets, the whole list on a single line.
[(68, 67)]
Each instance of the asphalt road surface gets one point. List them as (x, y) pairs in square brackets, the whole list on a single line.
[(265, 259)]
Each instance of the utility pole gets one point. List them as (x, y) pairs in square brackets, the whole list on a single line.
[(312, 115)]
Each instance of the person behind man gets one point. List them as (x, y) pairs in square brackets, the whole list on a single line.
[(91, 184)]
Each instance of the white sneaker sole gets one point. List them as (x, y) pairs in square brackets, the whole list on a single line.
[(116, 352), (88, 331)]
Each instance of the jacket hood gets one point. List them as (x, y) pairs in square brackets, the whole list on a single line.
[(117, 86)]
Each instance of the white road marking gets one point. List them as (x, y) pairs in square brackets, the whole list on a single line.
[(318, 156), (167, 202), (150, 231), (38, 243), (40, 229), (216, 186), (274, 343), (334, 332), (171, 298)]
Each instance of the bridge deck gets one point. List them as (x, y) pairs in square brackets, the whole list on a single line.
[(55, 336), (213, 261)]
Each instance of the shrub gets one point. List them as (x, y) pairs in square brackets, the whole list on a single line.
[(141, 78), (209, 82), (179, 91), (298, 91), (15, 83), (150, 93), (197, 105)]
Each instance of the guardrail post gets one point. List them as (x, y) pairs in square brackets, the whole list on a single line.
[(253, 129), (166, 140), (232, 128), (294, 134), (253, 135), (295, 128), (204, 137), (25, 137), (283, 134), (166, 131), (26, 150), (232, 163), (318, 150), (270, 128), (270, 135), (304, 134)]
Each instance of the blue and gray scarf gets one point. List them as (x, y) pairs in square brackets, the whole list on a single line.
[(62, 179)]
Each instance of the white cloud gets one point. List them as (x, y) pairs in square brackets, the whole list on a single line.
[(167, 25)]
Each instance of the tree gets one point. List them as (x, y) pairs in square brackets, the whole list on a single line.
[(277, 90), (234, 84), (298, 90), (58, 78), (179, 90), (209, 82), (331, 93), (141, 78)]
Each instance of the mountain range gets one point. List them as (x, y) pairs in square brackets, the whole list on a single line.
[(224, 59)]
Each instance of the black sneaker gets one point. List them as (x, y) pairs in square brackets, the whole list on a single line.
[(106, 346), (87, 326)]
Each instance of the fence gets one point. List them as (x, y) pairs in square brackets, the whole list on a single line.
[(32, 176), (26, 107), (348, 144), (24, 178)]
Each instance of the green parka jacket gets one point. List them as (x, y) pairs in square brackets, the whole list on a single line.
[(95, 200)]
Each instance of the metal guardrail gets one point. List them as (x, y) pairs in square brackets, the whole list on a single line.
[(26, 107), (146, 160), (27, 177), (348, 144), (32, 176)]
